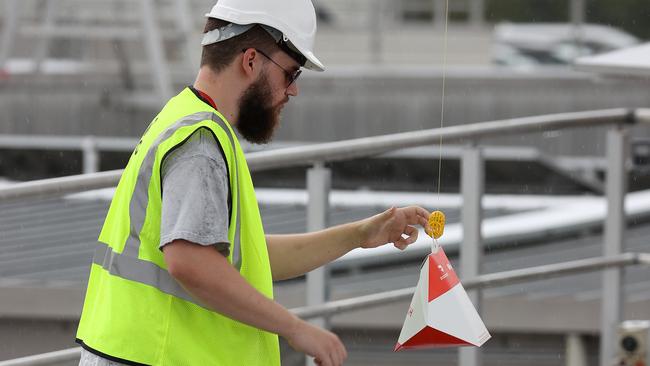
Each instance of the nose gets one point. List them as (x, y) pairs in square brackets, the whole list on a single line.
[(292, 90)]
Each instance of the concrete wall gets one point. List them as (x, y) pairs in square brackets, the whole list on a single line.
[(26, 337), (346, 103)]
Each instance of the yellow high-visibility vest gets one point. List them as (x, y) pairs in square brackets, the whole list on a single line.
[(134, 311)]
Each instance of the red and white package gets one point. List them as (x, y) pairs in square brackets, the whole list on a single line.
[(441, 314)]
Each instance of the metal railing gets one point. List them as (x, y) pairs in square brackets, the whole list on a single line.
[(355, 148), (387, 297), (90, 146), (471, 187), (480, 282)]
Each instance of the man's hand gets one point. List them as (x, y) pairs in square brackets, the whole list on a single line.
[(390, 225), (321, 344)]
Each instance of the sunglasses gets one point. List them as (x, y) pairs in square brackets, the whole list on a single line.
[(291, 77)]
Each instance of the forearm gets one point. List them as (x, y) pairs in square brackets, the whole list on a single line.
[(217, 285), (296, 254)]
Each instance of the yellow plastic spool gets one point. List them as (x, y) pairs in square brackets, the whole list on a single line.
[(437, 224)]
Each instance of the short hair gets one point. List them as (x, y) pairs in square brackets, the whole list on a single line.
[(218, 56)]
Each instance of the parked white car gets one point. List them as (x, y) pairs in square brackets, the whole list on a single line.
[(527, 44)]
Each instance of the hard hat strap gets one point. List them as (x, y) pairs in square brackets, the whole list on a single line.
[(224, 33), (232, 30)]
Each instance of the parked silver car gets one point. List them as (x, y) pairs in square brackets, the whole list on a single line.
[(530, 45)]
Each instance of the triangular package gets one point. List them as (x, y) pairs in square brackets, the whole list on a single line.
[(441, 314)]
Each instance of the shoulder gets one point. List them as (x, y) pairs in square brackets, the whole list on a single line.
[(202, 145)]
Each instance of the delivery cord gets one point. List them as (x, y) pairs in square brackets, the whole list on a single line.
[(442, 106)]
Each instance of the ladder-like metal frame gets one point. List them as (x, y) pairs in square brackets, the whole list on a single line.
[(148, 32)]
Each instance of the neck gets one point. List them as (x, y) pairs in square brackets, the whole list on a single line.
[(217, 86)]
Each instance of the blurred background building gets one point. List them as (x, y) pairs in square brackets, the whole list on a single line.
[(81, 79)]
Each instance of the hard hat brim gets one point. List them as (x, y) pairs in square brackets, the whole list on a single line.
[(312, 62)]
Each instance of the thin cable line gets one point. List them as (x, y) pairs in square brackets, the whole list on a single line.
[(442, 106)]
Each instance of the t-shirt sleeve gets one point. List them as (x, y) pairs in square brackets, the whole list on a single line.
[(195, 194)]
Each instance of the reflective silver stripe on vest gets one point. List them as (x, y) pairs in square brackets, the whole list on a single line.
[(140, 197), (236, 253), (139, 270), (127, 265)]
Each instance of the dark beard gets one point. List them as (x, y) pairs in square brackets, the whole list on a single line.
[(257, 117)]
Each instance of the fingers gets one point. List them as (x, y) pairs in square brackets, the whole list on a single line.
[(343, 354), (412, 233), (425, 224), (416, 215), (419, 211), (412, 236), (331, 351), (338, 355), (422, 212), (330, 361), (423, 216), (334, 357), (397, 225), (326, 361), (390, 212)]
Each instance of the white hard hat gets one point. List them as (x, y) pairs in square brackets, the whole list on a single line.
[(295, 19)]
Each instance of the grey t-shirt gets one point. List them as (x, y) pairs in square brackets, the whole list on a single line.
[(91, 359), (195, 189)]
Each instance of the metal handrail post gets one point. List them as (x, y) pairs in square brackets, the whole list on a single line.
[(575, 352), (318, 187), (471, 249), (616, 186), (90, 155)]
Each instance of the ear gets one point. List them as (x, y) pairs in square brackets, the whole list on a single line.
[(250, 63)]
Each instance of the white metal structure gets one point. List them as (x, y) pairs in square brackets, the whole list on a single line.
[(113, 25)]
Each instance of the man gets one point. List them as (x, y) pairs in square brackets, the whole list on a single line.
[(182, 274)]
